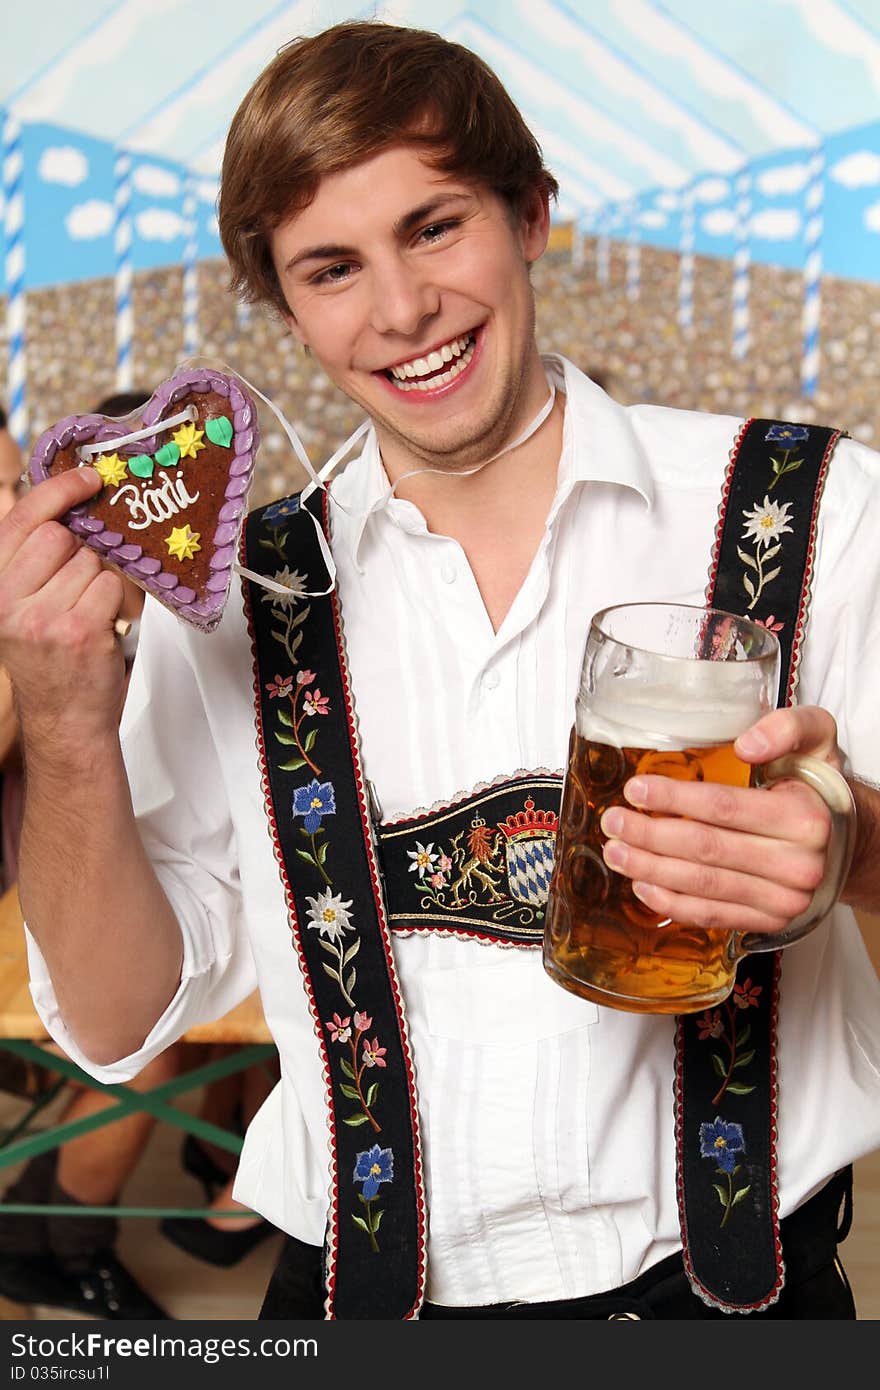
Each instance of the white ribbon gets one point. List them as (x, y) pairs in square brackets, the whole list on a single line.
[(321, 478)]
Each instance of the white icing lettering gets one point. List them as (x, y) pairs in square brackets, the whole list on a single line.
[(154, 503)]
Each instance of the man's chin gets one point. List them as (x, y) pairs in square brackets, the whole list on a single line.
[(452, 450)]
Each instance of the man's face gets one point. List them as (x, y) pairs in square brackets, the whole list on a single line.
[(11, 485), (412, 290)]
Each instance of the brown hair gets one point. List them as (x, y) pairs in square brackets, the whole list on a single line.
[(331, 101)]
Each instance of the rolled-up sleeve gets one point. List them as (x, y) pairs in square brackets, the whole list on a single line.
[(179, 794)]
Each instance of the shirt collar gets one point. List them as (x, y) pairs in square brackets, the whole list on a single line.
[(599, 444)]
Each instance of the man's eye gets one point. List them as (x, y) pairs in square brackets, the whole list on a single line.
[(435, 230), (333, 274)]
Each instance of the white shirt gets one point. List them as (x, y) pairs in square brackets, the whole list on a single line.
[(547, 1123)]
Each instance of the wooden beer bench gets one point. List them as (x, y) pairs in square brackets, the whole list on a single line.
[(23, 1035)]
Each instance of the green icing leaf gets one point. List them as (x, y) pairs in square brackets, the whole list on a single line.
[(219, 430), (168, 455), (141, 466)]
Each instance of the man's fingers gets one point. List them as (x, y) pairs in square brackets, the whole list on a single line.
[(789, 862), (796, 729), (721, 893), (790, 812), (47, 501), (41, 555), (678, 907), (62, 592)]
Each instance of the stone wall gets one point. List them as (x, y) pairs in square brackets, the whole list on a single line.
[(635, 344)]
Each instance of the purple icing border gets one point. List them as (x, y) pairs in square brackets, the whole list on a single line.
[(128, 557)]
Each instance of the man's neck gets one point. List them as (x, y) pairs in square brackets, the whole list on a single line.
[(498, 513)]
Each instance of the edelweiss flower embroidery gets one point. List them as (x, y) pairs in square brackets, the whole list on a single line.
[(767, 522), (423, 858), (329, 914), (293, 582)]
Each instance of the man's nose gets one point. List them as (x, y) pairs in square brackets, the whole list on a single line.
[(403, 299)]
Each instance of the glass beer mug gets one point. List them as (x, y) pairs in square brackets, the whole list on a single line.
[(666, 689)]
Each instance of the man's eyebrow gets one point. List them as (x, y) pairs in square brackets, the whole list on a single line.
[(404, 224), (320, 253), (426, 210)]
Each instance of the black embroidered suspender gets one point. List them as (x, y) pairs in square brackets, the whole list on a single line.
[(725, 1076), (488, 879), (317, 803)]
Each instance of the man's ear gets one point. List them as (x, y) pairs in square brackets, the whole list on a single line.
[(535, 224), (294, 329)]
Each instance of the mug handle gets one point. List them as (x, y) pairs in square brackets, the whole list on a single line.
[(834, 790)]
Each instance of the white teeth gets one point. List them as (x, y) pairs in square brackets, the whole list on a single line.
[(460, 356), (423, 366)]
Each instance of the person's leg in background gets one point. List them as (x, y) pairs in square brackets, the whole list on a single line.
[(70, 1261), (223, 1240)]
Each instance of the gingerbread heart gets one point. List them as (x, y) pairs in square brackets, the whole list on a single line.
[(173, 501)]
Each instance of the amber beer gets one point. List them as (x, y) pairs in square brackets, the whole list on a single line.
[(667, 688), (601, 942)]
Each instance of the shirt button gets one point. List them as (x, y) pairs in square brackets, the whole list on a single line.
[(492, 680), (448, 573)]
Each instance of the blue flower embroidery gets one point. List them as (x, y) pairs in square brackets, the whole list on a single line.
[(373, 1166), (787, 434), (313, 803), (722, 1141), (280, 511)]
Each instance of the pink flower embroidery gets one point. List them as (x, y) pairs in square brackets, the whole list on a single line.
[(770, 623), (280, 686), (745, 996), (438, 880), (305, 677), (316, 703), (362, 1022), (710, 1024), (373, 1054), (339, 1028)]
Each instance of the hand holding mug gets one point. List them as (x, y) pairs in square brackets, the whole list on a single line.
[(656, 919)]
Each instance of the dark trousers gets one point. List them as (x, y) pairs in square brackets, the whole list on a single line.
[(815, 1283)]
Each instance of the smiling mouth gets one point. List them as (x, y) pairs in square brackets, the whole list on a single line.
[(437, 368)]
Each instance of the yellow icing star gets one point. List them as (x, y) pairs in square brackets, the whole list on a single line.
[(188, 440), (111, 468), (183, 543)]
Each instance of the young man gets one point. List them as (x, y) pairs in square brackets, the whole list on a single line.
[(497, 1147)]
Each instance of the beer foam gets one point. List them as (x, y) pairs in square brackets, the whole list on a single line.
[(711, 703)]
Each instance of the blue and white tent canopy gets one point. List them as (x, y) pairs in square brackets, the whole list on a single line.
[(746, 131)]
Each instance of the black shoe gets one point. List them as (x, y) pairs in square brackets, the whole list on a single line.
[(199, 1164), (209, 1243), (102, 1286), (32, 1279)]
